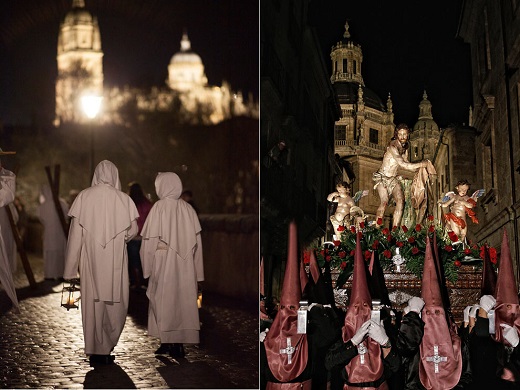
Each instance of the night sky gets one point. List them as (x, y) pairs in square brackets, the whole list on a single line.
[(138, 39), (408, 46)]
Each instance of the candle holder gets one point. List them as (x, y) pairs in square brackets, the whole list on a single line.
[(70, 295)]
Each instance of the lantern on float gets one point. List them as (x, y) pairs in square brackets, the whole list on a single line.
[(70, 295)]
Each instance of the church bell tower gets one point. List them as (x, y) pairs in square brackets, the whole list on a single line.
[(80, 63)]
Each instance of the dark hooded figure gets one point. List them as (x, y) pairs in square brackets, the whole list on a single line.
[(365, 352), (495, 359)]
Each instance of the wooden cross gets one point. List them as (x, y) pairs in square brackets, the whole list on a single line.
[(55, 188), (436, 358), (289, 350)]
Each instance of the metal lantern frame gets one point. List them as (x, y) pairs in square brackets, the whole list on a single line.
[(70, 295)]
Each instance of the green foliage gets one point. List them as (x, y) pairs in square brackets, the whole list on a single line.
[(410, 243)]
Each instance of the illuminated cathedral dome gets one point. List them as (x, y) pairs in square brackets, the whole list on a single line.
[(186, 70)]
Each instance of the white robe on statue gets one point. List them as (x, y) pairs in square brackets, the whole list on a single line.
[(171, 256), (103, 220), (54, 240), (7, 192)]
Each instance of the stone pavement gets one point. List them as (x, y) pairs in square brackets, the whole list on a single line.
[(42, 347)]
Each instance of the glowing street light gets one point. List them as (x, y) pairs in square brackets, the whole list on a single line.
[(91, 105)]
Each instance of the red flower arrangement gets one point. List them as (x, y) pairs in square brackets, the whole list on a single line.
[(411, 244)]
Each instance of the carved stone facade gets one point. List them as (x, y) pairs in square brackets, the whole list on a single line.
[(493, 31)]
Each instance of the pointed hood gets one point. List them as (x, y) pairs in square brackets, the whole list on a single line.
[(507, 310), (442, 282), (282, 336), (439, 342), (489, 276), (359, 311), (318, 291), (304, 278), (376, 281)]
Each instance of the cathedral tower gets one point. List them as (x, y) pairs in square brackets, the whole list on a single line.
[(186, 70), (365, 126), (80, 63)]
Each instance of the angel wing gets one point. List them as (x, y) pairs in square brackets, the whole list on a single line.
[(359, 195), (478, 193), (447, 196)]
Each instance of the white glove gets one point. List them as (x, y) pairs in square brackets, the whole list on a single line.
[(377, 333), (416, 304), (510, 334), (466, 313), (263, 334), (473, 311), (361, 333), (487, 302)]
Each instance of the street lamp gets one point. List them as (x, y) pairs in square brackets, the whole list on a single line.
[(91, 105)]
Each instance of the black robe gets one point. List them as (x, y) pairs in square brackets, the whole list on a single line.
[(489, 358)]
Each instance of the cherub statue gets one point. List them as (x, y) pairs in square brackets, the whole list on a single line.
[(345, 204), (455, 206)]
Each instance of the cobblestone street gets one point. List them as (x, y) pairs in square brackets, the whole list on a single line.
[(42, 347)]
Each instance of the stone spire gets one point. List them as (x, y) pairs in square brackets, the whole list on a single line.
[(78, 3), (425, 108), (346, 59), (185, 42)]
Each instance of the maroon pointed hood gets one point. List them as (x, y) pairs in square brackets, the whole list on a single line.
[(283, 331), (507, 310), (439, 338), (359, 311)]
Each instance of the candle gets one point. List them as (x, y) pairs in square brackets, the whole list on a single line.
[(71, 300)]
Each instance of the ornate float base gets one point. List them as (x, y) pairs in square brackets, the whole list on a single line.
[(404, 285)]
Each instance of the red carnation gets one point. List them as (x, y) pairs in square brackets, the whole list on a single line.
[(431, 229), (387, 254), (353, 229), (430, 217), (493, 255), (457, 263), (482, 252), (375, 244), (336, 242), (448, 248), (453, 237), (467, 251), (411, 240), (327, 258), (342, 254), (415, 250), (379, 221), (399, 244), (405, 229), (341, 228), (368, 254), (385, 231), (352, 252), (418, 227), (343, 265), (394, 228), (389, 238), (322, 252), (306, 257)]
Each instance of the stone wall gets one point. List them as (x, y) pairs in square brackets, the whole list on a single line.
[(230, 243)]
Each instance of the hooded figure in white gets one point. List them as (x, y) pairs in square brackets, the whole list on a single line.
[(103, 220), (171, 255), (54, 239)]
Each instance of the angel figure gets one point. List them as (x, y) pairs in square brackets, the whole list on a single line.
[(345, 203), (455, 206)]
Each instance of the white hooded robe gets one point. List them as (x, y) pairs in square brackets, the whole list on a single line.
[(171, 256), (103, 220)]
